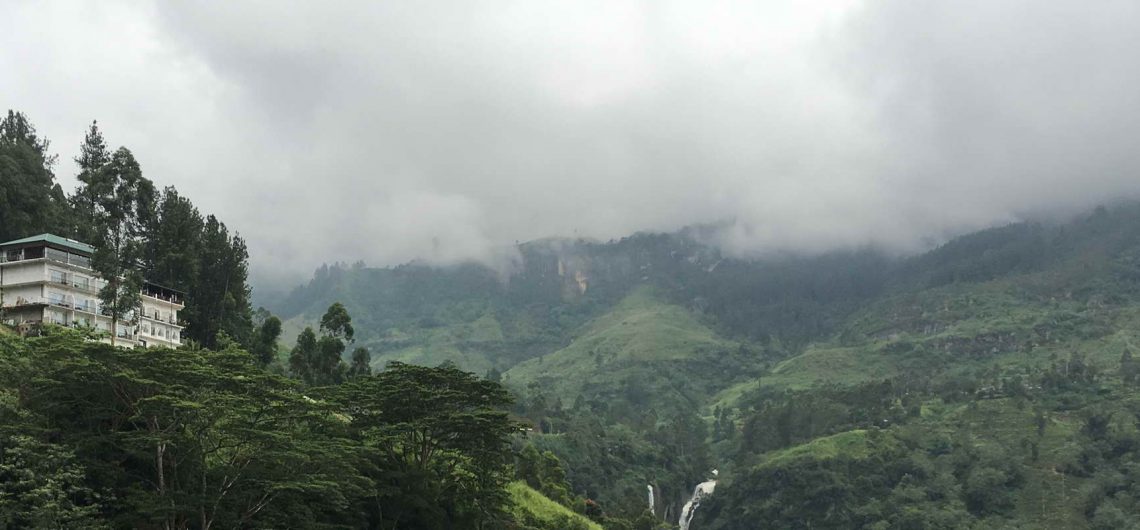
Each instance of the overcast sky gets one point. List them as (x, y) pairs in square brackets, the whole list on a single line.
[(386, 131)]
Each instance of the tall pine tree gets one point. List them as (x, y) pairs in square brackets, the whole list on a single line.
[(123, 201), (92, 160), (220, 298)]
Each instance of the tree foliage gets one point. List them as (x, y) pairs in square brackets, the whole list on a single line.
[(30, 200), (98, 436), (122, 207)]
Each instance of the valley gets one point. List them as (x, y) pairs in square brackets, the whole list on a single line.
[(665, 368)]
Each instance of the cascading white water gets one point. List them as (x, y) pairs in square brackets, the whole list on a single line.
[(650, 488), (703, 489)]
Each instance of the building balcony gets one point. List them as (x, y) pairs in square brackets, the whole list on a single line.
[(167, 299), (87, 308), (21, 301), (87, 287), (71, 260), (172, 321), (151, 335)]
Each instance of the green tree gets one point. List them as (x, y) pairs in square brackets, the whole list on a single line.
[(301, 358), (220, 301), (361, 363), (328, 367), (265, 343), (30, 200), (319, 361), (190, 438), (173, 245), (92, 160), (336, 322), (439, 438), (123, 201), (42, 484)]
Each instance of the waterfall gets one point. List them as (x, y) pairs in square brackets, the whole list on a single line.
[(702, 490), (650, 488)]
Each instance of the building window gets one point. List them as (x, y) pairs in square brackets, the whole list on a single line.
[(59, 299), (81, 261), (57, 255)]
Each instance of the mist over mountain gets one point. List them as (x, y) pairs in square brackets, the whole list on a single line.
[(343, 132)]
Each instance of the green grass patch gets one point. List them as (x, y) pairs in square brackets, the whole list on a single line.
[(526, 501), (830, 365), (643, 342), (849, 444)]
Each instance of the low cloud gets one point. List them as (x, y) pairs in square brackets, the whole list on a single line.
[(446, 131)]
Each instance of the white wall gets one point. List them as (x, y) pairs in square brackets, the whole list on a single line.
[(28, 292), (24, 272)]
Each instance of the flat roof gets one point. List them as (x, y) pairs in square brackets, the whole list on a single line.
[(51, 240)]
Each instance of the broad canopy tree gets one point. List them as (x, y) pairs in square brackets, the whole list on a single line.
[(439, 426), (193, 438), (186, 438)]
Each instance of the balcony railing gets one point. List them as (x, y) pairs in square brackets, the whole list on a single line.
[(68, 258), (176, 300), (24, 301), (89, 287), (57, 256), (87, 308)]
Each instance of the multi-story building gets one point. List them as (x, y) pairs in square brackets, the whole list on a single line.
[(49, 279)]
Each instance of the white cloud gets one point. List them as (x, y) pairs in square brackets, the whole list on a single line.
[(338, 131)]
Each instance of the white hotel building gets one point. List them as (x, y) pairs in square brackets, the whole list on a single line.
[(48, 279)]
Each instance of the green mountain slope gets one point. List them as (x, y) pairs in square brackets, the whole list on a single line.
[(994, 463), (656, 353), (981, 369), (999, 365), (621, 405), (427, 313)]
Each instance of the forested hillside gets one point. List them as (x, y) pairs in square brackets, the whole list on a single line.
[(992, 386), (984, 383)]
